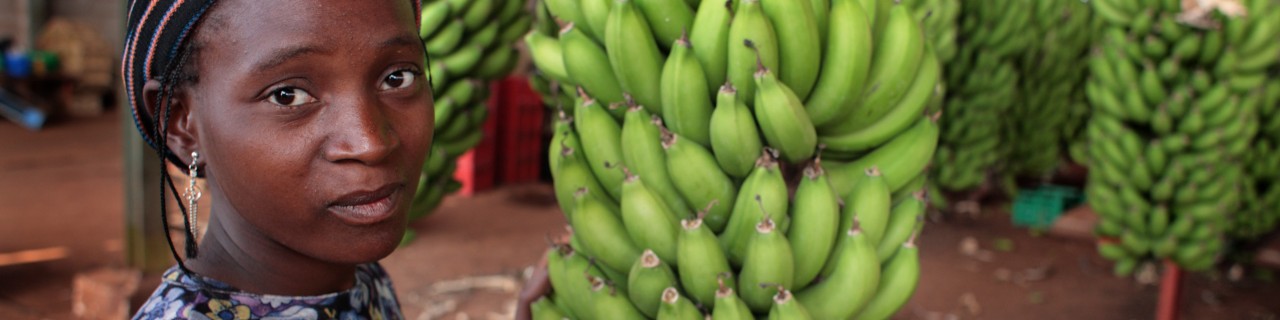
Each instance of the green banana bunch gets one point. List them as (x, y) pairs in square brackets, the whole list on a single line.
[(1177, 129), (982, 88), (468, 43), (1051, 110), (711, 105)]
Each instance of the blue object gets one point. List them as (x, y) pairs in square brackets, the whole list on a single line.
[(20, 111), (1040, 207), (18, 65)]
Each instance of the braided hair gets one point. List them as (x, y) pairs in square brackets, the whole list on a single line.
[(160, 45)]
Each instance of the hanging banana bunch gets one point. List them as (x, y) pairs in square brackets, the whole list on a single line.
[(982, 90), (1052, 106), (1177, 91), (468, 42), (1261, 194), (710, 145)]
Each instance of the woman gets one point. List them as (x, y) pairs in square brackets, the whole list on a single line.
[(310, 121)]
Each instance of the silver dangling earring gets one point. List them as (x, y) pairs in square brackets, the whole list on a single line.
[(193, 194)]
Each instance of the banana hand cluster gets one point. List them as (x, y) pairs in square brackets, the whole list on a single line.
[(1051, 109), (1261, 209), (983, 87), (1175, 112), (468, 42), (737, 158)]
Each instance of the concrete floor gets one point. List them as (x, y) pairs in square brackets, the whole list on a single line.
[(61, 187)]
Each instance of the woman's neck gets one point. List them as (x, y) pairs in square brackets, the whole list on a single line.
[(250, 261)]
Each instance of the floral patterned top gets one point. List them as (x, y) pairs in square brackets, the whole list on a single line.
[(191, 296)]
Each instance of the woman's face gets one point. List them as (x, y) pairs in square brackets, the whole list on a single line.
[(314, 119)]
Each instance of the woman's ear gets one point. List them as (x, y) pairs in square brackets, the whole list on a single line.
[(182, 136)]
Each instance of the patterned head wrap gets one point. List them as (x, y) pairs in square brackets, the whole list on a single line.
[(157, 31)]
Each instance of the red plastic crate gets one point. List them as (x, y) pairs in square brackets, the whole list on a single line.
[(520, 114)]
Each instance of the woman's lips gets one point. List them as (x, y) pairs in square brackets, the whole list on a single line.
[(367, 207)]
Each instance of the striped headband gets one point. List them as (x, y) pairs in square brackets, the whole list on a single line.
[(157, 30)]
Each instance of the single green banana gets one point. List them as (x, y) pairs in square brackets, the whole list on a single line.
[(603, 146), (800, 51), (610, 303), (694, 172), (846, 62), (729, 306), (547, 54), (596, 13), (735, 140), (585, 62), (905, 220), (851, 285), (704, 262), (673, 307), (669, 19), (782, 118), (446, 39), (710, 39), (599, 228), (684, 88), (786, 308), (750, 24), (645, 156), (648, 278), (814, 227), (648, 220), (544, 309), (434, 16), (634, 55), (569, 11), (898, 281), (765, 185), (768, 264), (899, 160)]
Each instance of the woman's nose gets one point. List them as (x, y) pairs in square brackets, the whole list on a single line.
[(360, 131)]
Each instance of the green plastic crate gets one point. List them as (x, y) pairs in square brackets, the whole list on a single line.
[(1040, 207)]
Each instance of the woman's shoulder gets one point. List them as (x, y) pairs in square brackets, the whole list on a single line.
[(184, 296)]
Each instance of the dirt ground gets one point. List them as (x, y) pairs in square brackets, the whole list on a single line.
[(61, 187)]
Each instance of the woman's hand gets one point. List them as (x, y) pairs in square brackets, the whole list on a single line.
[(536, 287)]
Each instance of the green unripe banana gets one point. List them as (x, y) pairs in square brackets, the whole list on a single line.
[(587, 64), (800, 50), (603, 147), (608, 302), (729, 306), (735, 139), (870, 201), (899, 160), (787, 308), (750, 24), (769, 263), (673, 307), (895, 67), (648, 278), (643, 137), (815, 218), (710, 39), (669, 19), (694, 172), (898, 282), (704, 262), (684, 89), (648, 220), (599, 230), (782, 118), (845, 66), (905, 220), (634, 55), (852, 284), (764, 186), (544, 309)]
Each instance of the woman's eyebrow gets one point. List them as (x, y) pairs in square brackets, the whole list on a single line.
[(404, 40), (280, 56)]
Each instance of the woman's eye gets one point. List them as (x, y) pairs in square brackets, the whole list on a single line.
[(399, 79), (290, 97)]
